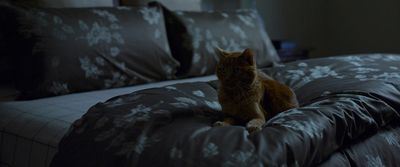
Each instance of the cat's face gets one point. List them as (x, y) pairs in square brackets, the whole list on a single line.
[(236, 68)]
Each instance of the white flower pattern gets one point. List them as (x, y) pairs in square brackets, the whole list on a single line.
[(302, 64), (391, 138), (59, 88), (104, 13), (387, 76), (83, 26), (322, 71), (199, 93), (176, 153), (363, 70), (247, 20), (151, 15), (242, 158), (213, 105), (98, 34), (91, 70), (238, 30), (285, 119), (114, 51), (210, 150), (295, 74), (373, 161), (186, 100), (117, 80)]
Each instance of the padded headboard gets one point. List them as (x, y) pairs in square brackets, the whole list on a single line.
[(71, 3)]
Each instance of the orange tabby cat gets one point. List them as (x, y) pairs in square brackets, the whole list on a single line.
[(248, 95)]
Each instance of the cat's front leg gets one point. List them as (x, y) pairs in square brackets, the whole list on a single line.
[(226, 122), (255, 125), (257, 118)]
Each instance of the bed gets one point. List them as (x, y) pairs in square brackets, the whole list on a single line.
[(348, 117), (31, 130), (135, 87)]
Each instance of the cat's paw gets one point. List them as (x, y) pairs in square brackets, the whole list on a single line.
[(253, 129), (220, 123), (254, 126)]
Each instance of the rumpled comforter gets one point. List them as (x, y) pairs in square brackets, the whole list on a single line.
[(349, 116)]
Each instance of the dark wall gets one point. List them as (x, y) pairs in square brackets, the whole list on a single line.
[(335, 27), (363, 26)]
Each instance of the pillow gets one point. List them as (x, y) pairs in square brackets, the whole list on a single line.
[(193, 37), (67, 50)]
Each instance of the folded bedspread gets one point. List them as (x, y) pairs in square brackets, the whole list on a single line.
[(349, 116)]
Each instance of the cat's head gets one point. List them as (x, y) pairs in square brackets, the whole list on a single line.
[(236, 68)]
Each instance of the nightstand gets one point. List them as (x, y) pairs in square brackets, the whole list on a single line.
[(289, 51)]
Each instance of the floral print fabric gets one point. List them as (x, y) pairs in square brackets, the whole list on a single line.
[(345, 69), (343, 120), (197, 34), (85, 49)]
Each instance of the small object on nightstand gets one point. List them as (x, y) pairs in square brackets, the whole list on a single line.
[(289, 51)]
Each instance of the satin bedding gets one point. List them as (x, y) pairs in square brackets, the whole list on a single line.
[(349, 116)]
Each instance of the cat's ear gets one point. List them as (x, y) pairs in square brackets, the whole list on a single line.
[(220, 52), (248, 56)]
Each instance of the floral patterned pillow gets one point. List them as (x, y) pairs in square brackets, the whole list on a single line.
[(68, 50), (196, 34)]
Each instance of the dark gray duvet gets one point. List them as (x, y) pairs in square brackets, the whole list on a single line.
[(349, 116)]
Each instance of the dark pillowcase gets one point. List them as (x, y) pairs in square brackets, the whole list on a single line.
[(193, 37), (68, 50), (178, 39)]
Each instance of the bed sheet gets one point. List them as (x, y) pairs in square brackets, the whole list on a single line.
[(349, 111), (31, 130)]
